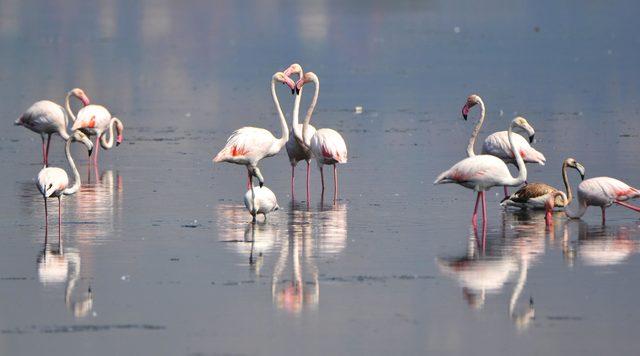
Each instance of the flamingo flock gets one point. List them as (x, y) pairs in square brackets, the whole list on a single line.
[(247, 146), (46, 118), (489, 169)]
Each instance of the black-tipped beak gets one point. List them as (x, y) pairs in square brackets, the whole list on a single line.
[(261, 184), (117, 143), (581, 176), (90, 151), (531, 138), (297, 90), (293, 91), (464, 116)]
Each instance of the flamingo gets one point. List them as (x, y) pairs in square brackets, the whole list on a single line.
[(482, 172), (249, 145), (551, 202), (260, 200), (497, 144), (295, 149), (54, 181), (47, 118), (534, 195), (326, 145), (603, 192), (95, 120)]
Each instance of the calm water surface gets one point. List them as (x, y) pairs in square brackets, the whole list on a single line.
[(158, 257)]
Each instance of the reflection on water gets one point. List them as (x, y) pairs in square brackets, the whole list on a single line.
[(291, 248), (496, 257)]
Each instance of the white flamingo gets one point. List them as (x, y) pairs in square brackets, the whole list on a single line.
[(483, 172), (295, 145), (96, 120), (260, 200), (47, 118), (54, 181), (497, 144), (326, 145), (249, 145), (602, 192)]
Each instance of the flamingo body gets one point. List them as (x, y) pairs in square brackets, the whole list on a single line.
[(44, 117), (328, 147), (604, 191), (263, 203), (497, 144), (247, 146), (52, 181), (295, 150), (92, 120), (479, 173)]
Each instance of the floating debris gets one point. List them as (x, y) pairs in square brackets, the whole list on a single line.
[(358, 110)]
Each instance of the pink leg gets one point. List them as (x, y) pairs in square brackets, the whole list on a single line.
[(97, 149), (474, 217), (308, 175), (335, 183), (603, 214), (248, 180), (629, 206), (506, 192), (46, 215), (293, 180), (59, 219), (46, 153), (322, 178), (484, 210)]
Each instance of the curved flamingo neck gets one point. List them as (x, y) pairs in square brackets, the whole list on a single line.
[(476, 130), (114, 122), (522, 279), (295, 119), (567, 186), (312, 107), (283, 123), (522, 169), (67, 106), (76, 175)]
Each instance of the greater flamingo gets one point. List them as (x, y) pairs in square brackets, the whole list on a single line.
[(551, 202), (483, 172), (95, 120), (326, 145), (603, 192), (249, 145), (47, 118), (54, 181), (497, 144), (260, 200), (534, 195), (296, 149)]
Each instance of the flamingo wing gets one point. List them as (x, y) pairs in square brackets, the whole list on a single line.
[(93, 118), (497, 144), (481, 172), (44, 117), (328, 145), (606, 190), (247, 144)]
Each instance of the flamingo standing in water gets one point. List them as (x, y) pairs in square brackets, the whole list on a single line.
[(260, 200), (326, 145), (482, 172), (497, 144), (249, 145), (95, 120), (296, 149), (602, 192), (47, 118), (54, 181)]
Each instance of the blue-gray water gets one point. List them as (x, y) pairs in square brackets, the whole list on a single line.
[(162, 238)]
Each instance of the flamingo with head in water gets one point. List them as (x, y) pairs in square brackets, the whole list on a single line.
[(47, 118), (249, 145), (483, 172), (326, 145), (96, 120), (497, 144)]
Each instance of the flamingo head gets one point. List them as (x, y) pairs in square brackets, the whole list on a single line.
[(120, 129), (550, 203), (571, 162), (48, 190), (522, 123), (79, 93), (295, 68), (308, 77), (472, 101), (282, 78), (79, 136)]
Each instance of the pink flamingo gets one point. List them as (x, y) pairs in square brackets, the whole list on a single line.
[(47, 118), (497, 144), (95, 120), (326, 145), (249, 145), (295, 145), (483, 172), (54, 181), (603, 192)]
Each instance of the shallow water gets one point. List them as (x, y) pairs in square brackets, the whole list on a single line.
[(158, 256)]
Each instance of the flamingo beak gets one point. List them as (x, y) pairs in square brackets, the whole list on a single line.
[(90, 151), (580, 169), (119, 140), (465, 111), (531, 138)]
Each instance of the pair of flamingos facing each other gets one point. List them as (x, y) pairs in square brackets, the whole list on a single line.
[(482, 172), (47, 118), (249, 145)]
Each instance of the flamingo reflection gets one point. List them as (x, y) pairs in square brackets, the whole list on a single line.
[(600, 245)]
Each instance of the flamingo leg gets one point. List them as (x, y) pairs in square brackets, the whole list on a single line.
[(484, 210), (335, 183), (308, 175), (293, 180), (46, 220), (322, 178), (474, 217), (97, 146), (59, 219), (629, 206), (506, 191), (46, 152), (249, 183), (603, 214)]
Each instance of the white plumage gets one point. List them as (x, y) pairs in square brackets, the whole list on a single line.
[(263, 203)]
